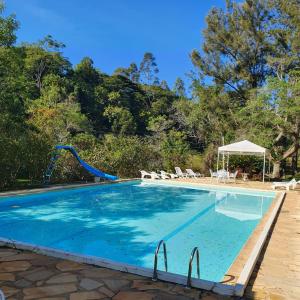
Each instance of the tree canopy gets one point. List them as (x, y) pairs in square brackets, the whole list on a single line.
[(245, 84)]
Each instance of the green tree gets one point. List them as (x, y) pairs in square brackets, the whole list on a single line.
[(8, 27), (164, 85), (121, 120), (273, 118), (179, 88), (236, 46), (175, 150), (44, 58), (149, 69)]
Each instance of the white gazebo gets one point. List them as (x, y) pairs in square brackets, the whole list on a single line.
[(242, 148)]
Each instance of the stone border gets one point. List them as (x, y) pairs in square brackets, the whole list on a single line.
[(251, 262), (211, 187), (58, 187), (217, 287)]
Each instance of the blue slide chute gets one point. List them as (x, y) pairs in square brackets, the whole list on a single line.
[(90, 169)]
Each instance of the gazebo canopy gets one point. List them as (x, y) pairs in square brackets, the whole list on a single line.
[(243, 148)]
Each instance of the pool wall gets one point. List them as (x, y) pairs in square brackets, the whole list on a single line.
[(217, 287)]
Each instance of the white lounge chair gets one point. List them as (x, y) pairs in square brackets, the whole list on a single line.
[(154, 175), (191, 173), (145, 174), (233, 176), (164, 175), (286, 184), (179, 173), (173, 176), (213, 174)]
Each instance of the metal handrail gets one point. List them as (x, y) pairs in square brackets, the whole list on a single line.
[(154, 277), (189, 278)]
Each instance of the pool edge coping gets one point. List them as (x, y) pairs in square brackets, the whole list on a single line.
[(250, 264), (217, 287), (58, 187)]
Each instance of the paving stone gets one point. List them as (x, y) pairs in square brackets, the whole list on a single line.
[(39, 275), (129, 276), (100, 273), (54, 298), (9, 291), (104, 290), (87, 295), (210, 297), (162, 296), (14, 266), (39, 283), (48, 291), (30, 271), (144, 285), (62, 278), (130, 295), (193, 293), (7, 277), (7, 252), (67, 265), (116, 284), (43, 261), (23, 283), (90, 284), (19, 256)]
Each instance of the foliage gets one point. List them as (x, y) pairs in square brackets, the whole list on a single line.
[(245, 85)]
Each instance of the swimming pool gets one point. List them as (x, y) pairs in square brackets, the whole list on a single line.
[(124, 222)]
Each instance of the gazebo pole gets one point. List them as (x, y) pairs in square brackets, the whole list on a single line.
[(264, 166), (218, 161), (227, 161)]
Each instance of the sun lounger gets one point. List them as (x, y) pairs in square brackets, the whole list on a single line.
[(180, 174), (154, 175), (145, 174), (286, 184), (173, 176), (191, 173)]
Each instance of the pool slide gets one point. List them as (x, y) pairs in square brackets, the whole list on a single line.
[(90, 169)]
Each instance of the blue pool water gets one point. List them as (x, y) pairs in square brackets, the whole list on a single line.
[(125, 221)]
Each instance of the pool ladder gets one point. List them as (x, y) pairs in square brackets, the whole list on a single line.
[(194, 253), (162, 242)]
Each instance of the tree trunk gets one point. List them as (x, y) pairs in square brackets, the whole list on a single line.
[(276, 169)]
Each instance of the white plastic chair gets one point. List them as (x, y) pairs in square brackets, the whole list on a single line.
[(213, 174), (233, 175), (154, 175), (191, 173), (145, 174), (179, 173), (287, 184), (173, 176)]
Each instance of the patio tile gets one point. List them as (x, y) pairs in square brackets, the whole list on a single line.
[(14, 266), (48, 291), (90, 284)]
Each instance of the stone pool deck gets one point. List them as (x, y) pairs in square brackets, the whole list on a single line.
[(26, 275)]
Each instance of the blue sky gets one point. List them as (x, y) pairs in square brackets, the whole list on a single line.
[(115, 33)]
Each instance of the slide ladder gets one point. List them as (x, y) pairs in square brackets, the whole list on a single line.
[(86, 166), (51, 166)]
